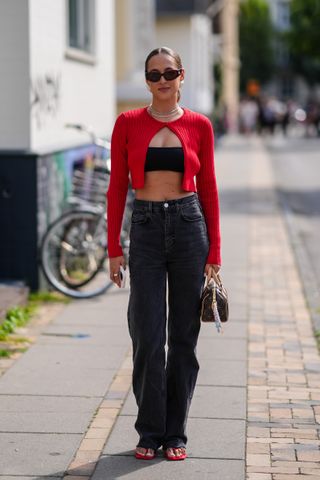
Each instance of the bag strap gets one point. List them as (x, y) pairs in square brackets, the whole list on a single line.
[(216, 278)]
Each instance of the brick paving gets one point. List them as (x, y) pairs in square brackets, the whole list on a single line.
[(283, 419)]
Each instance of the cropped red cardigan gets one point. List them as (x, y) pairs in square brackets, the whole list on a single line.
[(130, 139)]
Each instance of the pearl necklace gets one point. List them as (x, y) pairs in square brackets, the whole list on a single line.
[(155, 113)]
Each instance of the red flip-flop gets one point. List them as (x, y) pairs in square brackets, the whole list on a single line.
[(172, 457), (145, 456)]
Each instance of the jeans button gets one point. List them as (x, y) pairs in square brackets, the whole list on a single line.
[(166, 205)]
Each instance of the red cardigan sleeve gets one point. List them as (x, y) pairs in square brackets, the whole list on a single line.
[(208, 192), (118, 186)]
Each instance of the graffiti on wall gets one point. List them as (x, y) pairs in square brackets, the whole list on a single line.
[(56, 182), (45, 97)]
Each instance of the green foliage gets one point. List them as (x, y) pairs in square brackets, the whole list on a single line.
[(48, 297), (15, 317), (4, 353), (255, 38), (18, 316), (304, 38)]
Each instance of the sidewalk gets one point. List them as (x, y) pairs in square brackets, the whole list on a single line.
[(66, 404)]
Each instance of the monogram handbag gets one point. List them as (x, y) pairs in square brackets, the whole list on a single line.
[(214, 302)]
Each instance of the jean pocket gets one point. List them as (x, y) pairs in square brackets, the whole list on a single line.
[(191, 212), (139, 216)]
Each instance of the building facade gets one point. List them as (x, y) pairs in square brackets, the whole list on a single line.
[(143, 25), (57, 66)]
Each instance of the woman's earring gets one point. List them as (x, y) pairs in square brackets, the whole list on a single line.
[(181, 83)]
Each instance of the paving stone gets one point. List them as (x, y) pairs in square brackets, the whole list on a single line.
[(27, 413), (75, 356), (310, 471), (92, 444), (37, 477), (97, 432), (309, 456), (80, 469), (258, 459), (76, 477), (210, 349), (88, 455), (75, 370), (230, 330), (72, 335), (207, 402), (36, 454), (128, 468), (208, 438), (100, 311), (223, 372), (258, 448), (259, 476), (67, 381), (281, 476)]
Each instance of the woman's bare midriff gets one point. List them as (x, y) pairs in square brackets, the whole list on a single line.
[(160, 186)]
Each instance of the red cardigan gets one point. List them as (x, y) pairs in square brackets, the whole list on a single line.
[(130, 139)]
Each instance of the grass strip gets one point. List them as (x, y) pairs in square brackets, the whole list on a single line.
[(19, 316)]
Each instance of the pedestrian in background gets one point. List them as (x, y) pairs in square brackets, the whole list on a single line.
[(174, 240), (248, 114)]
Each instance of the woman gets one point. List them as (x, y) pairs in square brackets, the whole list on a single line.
[(174, 240)]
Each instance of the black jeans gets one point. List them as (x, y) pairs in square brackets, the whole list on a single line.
[(168, 244)]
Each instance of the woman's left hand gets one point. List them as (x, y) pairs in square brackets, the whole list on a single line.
[(210, 268)]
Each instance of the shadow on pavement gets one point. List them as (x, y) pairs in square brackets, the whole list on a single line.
[(109, 467)]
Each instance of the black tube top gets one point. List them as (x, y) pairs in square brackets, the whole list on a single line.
[(164, 158)]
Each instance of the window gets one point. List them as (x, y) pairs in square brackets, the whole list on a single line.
[(81, 25), (283, 19)]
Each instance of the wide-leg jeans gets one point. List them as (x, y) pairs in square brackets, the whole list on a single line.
[(168, 247)]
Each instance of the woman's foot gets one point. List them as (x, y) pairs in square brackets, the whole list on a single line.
[(175, 453), (145, 453)]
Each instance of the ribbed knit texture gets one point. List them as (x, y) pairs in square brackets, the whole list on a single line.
[(130, 139)]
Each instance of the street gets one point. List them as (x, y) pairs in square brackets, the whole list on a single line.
[(296, 165)]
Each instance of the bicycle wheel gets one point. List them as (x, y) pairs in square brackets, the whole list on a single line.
[(82, 254), (74, 256)]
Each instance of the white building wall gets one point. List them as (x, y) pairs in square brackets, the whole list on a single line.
[(14, 75), (191, 37), (202, 63), (65, 89), (41, 87)]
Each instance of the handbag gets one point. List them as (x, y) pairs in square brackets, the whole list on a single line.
[(214, 305)]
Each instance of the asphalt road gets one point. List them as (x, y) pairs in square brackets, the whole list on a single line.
[(296, 164)]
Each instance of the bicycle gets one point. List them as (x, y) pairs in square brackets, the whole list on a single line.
[(73, 251)]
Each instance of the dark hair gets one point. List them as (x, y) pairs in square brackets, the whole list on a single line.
[(166, 51)]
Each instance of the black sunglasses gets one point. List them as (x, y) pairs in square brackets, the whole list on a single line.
[(155, 76)]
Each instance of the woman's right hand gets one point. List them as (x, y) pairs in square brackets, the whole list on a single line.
[(114, 269)]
